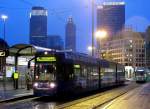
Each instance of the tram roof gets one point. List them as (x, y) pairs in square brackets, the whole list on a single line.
[(85, 58)]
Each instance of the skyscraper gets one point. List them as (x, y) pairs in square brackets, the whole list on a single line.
[(38, 26), (111, 17), (70, 41)]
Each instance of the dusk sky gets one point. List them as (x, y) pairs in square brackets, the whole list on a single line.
[(17, 25)]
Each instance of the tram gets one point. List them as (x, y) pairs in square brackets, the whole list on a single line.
[(68, 72), (141, 75)]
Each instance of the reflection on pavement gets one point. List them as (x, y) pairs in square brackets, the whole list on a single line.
[(45, 106)]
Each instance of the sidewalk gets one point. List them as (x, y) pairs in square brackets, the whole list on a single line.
[(8, 92)]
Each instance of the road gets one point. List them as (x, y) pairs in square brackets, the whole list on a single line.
[(138, 98), (84, 103)]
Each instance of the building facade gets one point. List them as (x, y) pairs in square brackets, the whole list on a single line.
[(147, 38), (70, 35), (111, 17), (127, 48), (38, 26), (55, 42)]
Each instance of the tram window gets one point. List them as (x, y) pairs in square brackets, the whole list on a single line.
[(102, 71), (84, 72), (95, 71), (89, 71), (46, 71), (94, 74), (107, 73)]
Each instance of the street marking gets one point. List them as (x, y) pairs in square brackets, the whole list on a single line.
[(109, 104)]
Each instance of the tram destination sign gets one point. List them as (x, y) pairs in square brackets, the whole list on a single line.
[(76, 66), (46, 59)]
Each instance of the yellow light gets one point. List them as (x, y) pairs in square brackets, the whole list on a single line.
[(101, 34)]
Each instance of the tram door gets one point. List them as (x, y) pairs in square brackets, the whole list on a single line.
[(80, 77), (77, 78), (77, 71)]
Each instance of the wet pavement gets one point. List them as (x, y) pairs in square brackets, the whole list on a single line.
[(136, 99), (30, 105), (9, 94), (50, 103), (7, 91)]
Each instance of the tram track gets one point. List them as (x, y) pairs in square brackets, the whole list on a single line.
[(97, 100), (95, 107)]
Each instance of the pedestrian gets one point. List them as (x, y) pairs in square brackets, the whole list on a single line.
[(28, 80), (15, 79)]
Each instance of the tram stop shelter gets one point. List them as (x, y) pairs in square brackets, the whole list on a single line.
[(24, 50), (21, 50), (18, 57)]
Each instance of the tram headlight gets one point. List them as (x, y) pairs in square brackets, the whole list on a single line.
[(35, 84), (52, 85)]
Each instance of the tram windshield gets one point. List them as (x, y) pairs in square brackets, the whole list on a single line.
[(46, 71), (141, 73)]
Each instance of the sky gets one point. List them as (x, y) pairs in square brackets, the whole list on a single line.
[(17, 25)]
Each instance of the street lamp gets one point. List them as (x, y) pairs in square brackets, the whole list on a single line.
[(90, 49), (4, 18), (101, 34)]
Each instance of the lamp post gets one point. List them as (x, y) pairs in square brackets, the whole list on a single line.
[(93, 2), (101, 34), (4, 18)]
